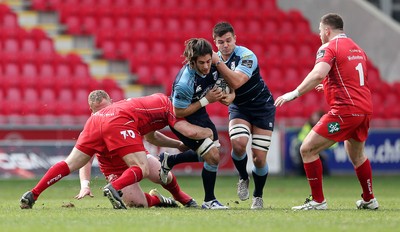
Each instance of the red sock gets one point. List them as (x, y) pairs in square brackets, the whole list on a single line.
[(151, 200), (364, 174), (129, 176), (176, 191), (314, 177), (53, 175)]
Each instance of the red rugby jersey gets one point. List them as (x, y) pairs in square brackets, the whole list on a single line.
[(346, 85)]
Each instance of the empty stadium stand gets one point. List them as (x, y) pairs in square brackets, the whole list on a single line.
[(150, 35)]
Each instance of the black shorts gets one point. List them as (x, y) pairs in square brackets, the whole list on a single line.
[(200, 119), (261, 116)]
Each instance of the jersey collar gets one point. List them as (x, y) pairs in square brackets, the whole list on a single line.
[(342, 35)]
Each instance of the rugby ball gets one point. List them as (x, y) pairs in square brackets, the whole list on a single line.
[(221, 83)]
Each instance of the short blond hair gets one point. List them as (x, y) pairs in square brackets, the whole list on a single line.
[(96, 97)]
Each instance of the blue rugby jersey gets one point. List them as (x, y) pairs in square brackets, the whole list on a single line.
[(189, 86), (254, 90)]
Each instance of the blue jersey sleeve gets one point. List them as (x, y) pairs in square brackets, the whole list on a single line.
[(183, 91), (248, 61)]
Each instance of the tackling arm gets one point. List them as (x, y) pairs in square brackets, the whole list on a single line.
[(84, 176), (159, 139)]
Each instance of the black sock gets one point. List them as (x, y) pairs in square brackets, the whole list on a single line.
[(241, 168), (259, 183), (209, 179), (188, 156)]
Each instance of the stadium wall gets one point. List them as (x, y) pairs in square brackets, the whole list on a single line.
[(29, 152)]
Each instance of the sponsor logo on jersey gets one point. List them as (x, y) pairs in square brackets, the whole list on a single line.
[(247, 56), (355, 58), (247, 63), (333, 127), (355, 50), (320, 54)]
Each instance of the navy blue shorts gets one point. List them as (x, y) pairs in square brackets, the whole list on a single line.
[(261, 116), (202, 120)]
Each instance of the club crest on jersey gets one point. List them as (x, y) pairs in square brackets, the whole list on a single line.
[(215, 75), (198, 88), (320, 54), (333, 127), (233, 66)]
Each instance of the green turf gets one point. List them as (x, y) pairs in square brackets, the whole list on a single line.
[(281, 193)]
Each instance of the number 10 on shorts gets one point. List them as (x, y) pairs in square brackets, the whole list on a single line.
[(128, 133)]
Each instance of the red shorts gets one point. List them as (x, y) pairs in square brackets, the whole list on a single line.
[(340, 128), (105, 135)]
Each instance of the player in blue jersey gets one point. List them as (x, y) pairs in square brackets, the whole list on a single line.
[(194, 88), (252, 113)]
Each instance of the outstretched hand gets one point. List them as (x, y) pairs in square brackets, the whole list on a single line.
[(84, 192), (286, 97)]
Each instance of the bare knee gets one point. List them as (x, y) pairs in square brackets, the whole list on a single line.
[(239, 146), (259, 160), (212, 156), (305, 151)]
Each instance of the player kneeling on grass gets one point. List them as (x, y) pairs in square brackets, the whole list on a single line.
[(118, 129), (113, 167)]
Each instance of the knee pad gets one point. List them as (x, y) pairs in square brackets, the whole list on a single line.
[(205, 147), (261, 142), (239, 130)]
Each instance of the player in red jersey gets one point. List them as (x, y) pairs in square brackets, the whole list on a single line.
[(113, 166), (118, 129), (341, 65)]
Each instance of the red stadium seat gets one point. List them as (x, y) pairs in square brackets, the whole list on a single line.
[(89, 25), (28, 45), (46, 46), (145, 76), (117, 94), (14, 101), (139, 24), (11, 45), (30, 101), (29, 76), (122, 23), (160, 73), (73, 25), (124, 48), (109, 49), (10, 20)]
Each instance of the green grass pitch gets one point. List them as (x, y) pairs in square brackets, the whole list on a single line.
[(280, 194)]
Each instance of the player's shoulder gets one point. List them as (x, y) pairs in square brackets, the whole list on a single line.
[(323, 46), (244, 52), (186, 75)]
